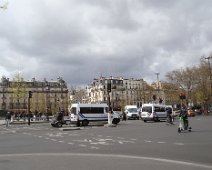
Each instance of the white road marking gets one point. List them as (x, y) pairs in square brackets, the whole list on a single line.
[(191, 164), (133, 139), (82, 145), (93, 147), (70, 143), (148, 141), (181, 144)]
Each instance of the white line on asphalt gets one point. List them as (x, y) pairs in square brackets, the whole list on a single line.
[(181, 144), (120, 138), (161, 142), (110, 156), (93, 147), (133, 139), (82, 145), (70, 143), (147, 141)]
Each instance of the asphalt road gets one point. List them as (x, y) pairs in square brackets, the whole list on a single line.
[(131, 145)]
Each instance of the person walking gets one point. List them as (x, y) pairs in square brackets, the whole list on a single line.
[(29, 116), (124, 116), (8, 119), (169, 116)]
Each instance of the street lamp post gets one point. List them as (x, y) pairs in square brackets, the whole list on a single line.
[(157, 74), (109, 101), (47, 102)]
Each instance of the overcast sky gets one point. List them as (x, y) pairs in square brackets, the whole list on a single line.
[(80, 40)]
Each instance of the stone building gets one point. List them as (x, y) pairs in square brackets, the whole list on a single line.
[(121, 91), (47, 96)]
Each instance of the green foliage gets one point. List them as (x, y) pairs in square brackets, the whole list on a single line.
[(19, 86)]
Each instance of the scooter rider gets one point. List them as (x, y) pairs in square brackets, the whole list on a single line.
[(60, 116), (184, 115)]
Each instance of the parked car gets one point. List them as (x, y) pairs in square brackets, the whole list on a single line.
[(198, 111)]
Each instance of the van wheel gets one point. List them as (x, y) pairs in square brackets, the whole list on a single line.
[(155, 119), (115, 121), (59, 124), (145, 121), (85, 123)]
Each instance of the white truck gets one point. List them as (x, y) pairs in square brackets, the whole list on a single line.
[(153, 112), (131, 112), (82, 114)]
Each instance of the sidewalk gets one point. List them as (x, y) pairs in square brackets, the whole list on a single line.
[(2, 122)]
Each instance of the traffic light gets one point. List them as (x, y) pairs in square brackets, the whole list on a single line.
[(182, 96), (30, 94), (154, 97), (109, 87)]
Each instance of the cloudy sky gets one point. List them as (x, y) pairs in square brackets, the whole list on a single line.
[(79, 40)]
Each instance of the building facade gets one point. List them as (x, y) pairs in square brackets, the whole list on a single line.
[(47, 96), (120, 91)]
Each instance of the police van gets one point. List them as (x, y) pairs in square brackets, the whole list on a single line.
[(153, 112), (83, 114)]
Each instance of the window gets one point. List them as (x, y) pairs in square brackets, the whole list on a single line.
[(91, 110), (74, 110), (147, 109), (132, 110), (159, 109)]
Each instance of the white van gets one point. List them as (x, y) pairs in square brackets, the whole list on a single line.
[(131, 112), (153, 112), (85, 113)]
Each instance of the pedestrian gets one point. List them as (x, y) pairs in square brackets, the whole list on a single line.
[(8, 119), (124, 116), (169, 115), (29, 118)]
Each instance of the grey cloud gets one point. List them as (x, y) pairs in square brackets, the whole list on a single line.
[(83, 39)]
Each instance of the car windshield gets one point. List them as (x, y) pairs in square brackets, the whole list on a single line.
[(132, 110), (147, 109)]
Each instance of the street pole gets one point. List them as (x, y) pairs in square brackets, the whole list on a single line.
[(29, 114), (109, 102), (157, 74)]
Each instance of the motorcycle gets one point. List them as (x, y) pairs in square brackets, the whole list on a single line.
[(58, 122)]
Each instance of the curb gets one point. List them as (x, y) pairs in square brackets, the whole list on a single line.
[(22, 123), (110, 125), (69, 129)]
